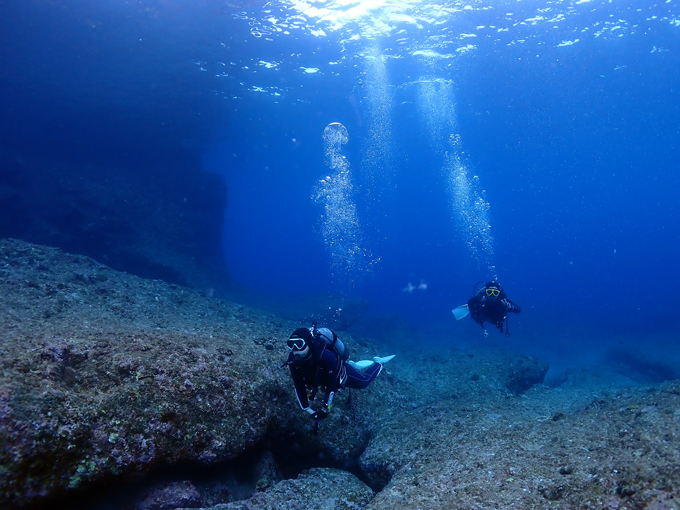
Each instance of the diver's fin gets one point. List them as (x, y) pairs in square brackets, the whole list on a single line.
[(461, 312), (360, 365), (383, 360)]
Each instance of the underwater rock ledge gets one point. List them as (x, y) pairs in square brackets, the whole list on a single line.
[(106, 377)]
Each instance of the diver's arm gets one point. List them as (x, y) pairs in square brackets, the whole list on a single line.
[(300, 390), (510, 306)]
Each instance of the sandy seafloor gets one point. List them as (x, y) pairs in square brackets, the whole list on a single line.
[(119, 392)]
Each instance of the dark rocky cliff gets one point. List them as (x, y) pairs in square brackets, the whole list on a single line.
[(158, 221)]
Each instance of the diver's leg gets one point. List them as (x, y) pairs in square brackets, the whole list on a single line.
[(358, 380)]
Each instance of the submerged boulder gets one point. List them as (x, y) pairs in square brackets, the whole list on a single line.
[(103, 374), (170, 496), (106, 378), (314, 489), (524, 372)]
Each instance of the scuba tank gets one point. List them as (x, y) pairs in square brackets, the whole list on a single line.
[(332, 340)]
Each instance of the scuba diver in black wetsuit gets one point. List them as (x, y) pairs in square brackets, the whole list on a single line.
[(490, 304), (318, 358)]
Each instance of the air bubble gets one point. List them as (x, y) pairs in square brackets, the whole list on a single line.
[(340, 225)]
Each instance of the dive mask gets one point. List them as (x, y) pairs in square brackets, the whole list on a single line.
[(296, 344), (493, 292)]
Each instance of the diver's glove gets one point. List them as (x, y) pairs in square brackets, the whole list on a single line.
[(516, 309)]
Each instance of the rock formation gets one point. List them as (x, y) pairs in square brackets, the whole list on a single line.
[(106, 378)]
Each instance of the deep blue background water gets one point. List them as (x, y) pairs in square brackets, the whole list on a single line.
[(574, 146)]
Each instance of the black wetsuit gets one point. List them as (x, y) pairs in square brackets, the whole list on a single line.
[(324, 368), (494, 311)]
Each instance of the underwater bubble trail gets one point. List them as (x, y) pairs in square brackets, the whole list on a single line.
[(377, 160), (340, 228), (439, 112), (470, 209)]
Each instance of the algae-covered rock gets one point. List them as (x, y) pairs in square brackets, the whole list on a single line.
[(524, 372), (170, 496), (314, 489), (105, 377), (104, 374)]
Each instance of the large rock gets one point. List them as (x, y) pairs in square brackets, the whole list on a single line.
[(170, 496), (584, 445), (105, 374), (315, 489)]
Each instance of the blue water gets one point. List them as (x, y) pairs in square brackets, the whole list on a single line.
[(565, 117)]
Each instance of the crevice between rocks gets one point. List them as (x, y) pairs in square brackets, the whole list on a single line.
[(277, 457)]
